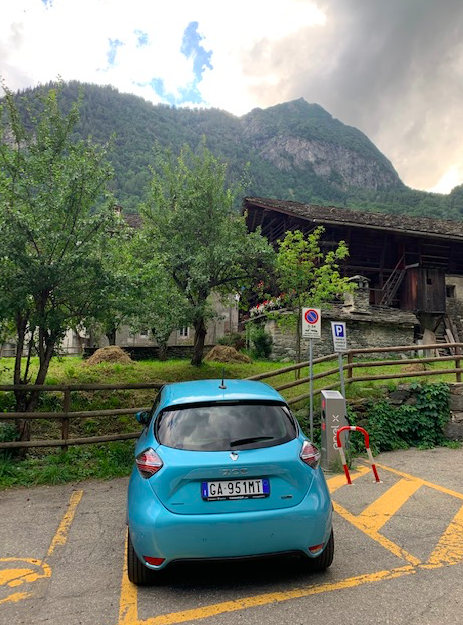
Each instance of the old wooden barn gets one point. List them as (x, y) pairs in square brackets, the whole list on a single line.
[(412, 264)]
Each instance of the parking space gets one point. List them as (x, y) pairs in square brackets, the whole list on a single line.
[(398, 557)]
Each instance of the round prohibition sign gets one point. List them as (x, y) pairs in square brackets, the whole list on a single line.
[(311, 316)]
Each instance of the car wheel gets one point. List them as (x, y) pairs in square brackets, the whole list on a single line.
[(137, 572), (324, 560)]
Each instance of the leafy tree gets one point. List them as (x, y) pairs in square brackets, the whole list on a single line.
[(204, 243), (120, 297), (51, 273), (160, 305), (307, 276)]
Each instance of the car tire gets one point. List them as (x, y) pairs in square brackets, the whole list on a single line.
[(137, 572), (324, 560)]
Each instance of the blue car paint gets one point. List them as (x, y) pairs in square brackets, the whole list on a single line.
[(189, 527)]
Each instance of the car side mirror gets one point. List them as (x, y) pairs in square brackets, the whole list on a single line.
[(143, 417)]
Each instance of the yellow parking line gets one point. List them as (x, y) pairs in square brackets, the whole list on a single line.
[(337, 481), (382, 540), (61, 534), (128, 601), (276, 597), (442, 489), (381, 510), (449, 549)]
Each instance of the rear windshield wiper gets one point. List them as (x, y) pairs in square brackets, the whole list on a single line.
[(251, 439)]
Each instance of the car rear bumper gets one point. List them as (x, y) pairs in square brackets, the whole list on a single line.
[(157, 532)]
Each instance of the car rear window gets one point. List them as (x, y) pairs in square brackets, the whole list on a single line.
[(225, 426)]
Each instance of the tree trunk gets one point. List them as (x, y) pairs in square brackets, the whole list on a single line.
[(162, 351), (200, 337), (111, 335)]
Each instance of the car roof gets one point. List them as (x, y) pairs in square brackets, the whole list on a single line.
[(201, 391)]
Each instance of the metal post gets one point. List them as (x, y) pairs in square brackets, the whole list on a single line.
[(311, 386), (341, 374)]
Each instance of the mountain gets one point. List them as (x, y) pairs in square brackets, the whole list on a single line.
[(295, 151)]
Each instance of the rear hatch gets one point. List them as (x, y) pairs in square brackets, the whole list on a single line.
[(221, 458), (180, 484)]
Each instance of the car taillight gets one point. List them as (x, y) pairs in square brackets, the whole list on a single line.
[(310, 454), (148, 463)]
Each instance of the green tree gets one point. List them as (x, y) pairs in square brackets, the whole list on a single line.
[(307, 276), (204, 243), (160, 305), (51, 273)]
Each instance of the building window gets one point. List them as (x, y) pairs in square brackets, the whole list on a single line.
[(450, 290), (184, 332), (144, 333)]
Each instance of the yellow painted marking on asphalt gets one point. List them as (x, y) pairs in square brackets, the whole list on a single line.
[(128, 601), (340, 480), (357, 521), (18, 574), (276, 597), (62, 532), (442, 489), (449, 549), (381, 510), (17, 596)]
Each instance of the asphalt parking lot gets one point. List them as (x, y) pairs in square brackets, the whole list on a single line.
[(398, 558)]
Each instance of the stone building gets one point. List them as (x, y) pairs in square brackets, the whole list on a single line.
[(409, 272)]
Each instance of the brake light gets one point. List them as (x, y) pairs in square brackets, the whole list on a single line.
[(148, 463), (310, 454)]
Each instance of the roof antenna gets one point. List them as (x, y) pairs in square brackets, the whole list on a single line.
[(223, 381)]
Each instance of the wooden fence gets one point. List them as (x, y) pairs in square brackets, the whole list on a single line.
[(350, 368), (66, 415)]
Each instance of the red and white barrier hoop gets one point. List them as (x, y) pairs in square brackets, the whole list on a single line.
[(355, 428)]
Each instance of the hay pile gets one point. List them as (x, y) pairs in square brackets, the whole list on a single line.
[(224, 353), (419, 366), (112, 353)]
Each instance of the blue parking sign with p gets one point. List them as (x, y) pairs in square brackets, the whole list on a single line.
[(338, 330)]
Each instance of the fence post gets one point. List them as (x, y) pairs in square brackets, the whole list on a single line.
[(65, 420), (458, 364), (350, 371)]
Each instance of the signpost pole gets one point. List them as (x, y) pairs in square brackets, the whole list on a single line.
[(311, 386), (341, 374), (311, 329)]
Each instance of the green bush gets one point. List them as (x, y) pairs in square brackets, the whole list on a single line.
[(261, 342), (232, 339), (399, 427)]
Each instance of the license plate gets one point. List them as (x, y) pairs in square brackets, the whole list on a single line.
[(235, 489)]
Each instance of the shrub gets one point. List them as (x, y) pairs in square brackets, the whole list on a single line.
[(399, 427), (261, 342), (233, 339)]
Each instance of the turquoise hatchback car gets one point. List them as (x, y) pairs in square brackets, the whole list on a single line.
[(223, 470)]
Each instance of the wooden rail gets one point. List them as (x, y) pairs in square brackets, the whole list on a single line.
[(350, 368), (67, 414)]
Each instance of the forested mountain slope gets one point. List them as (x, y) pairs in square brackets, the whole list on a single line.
[(296, 151)]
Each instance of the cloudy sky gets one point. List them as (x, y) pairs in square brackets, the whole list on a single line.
[(392, 68)]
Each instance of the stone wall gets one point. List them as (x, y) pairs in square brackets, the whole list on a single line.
[(454, 428), (404, 395), (381, 327)]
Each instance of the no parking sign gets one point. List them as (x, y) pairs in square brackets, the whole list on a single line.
[(311, 323)]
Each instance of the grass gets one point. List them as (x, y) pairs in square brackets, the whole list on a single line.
[(115, 459)]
